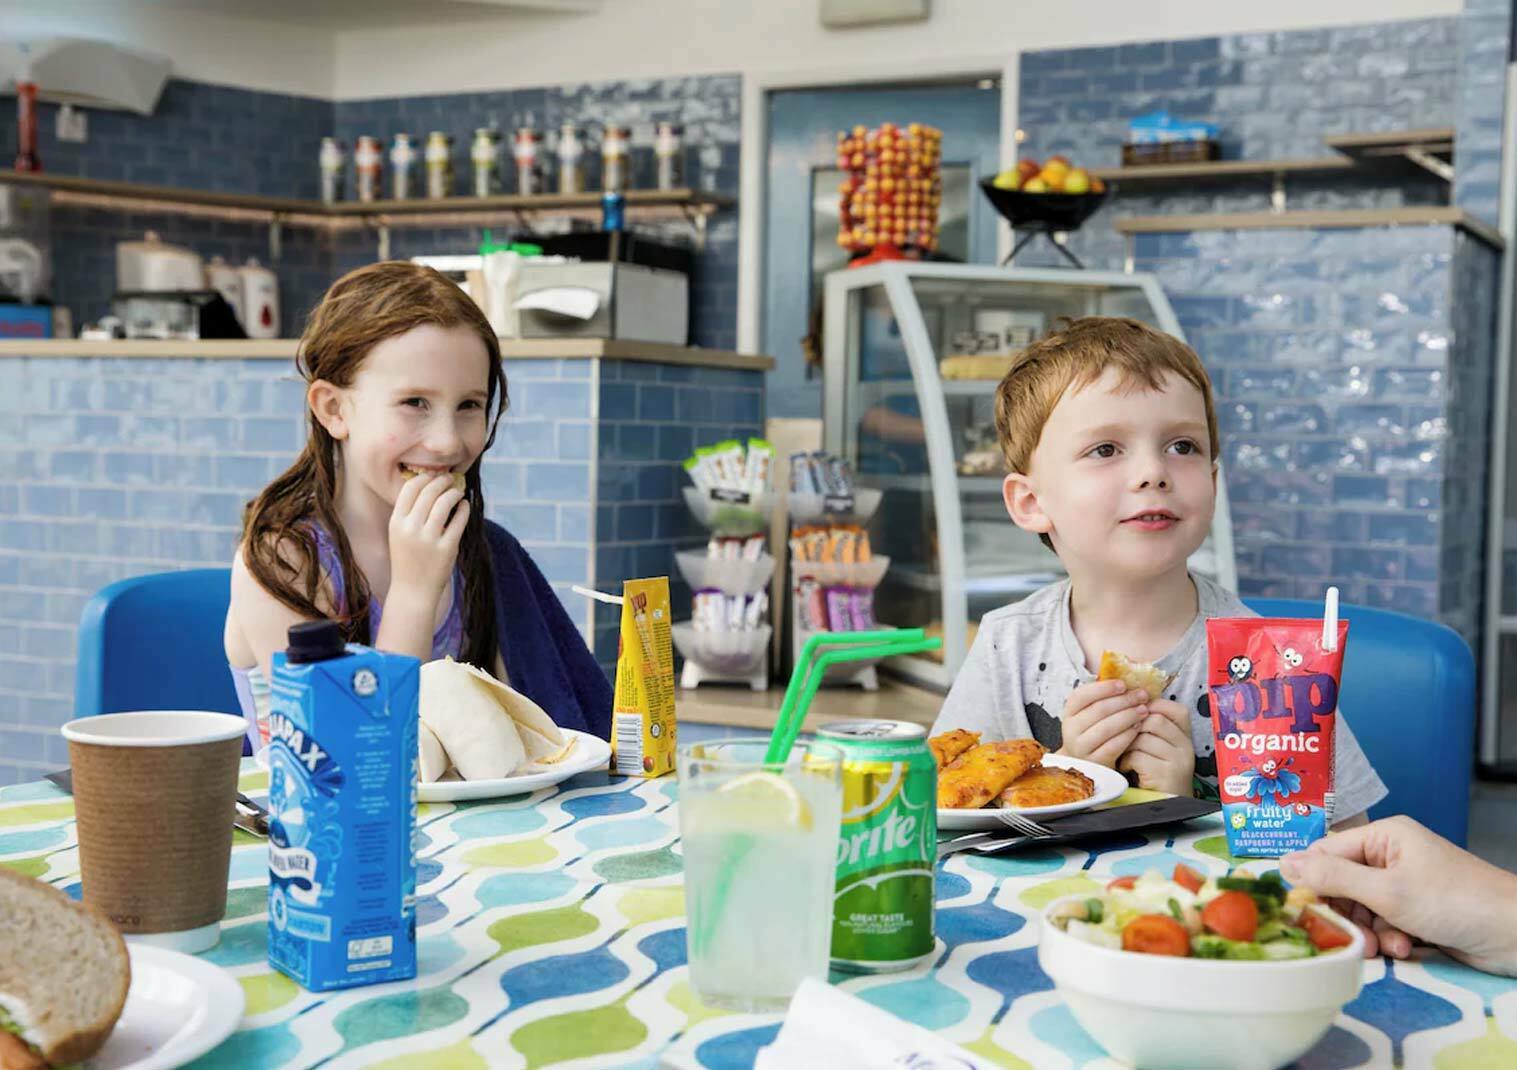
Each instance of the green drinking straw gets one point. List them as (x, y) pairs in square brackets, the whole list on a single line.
[(811, 669)]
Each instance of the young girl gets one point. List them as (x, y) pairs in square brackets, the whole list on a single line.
[(379, 524)]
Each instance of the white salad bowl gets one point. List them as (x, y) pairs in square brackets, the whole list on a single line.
[(1159, 1012)]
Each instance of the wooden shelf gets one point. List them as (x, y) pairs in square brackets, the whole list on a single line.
[(285, 348), (1439, 137), (1433, 215), (1222, 170), (463, 211), (1430, 149)]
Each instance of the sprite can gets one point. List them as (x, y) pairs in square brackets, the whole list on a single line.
[(883, 901)]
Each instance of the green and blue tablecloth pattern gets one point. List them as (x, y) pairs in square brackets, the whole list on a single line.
[(551, 932)]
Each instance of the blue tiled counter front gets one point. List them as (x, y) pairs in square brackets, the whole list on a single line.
[(113, 466)]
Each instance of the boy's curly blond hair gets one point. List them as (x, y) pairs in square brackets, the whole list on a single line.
[(1076, 355)]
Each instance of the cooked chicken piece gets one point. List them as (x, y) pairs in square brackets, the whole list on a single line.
[(1048, 785), (949, 745), (979, 775), (1137, 675)]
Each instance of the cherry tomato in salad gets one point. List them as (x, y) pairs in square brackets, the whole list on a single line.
[(1323, 934), (1156, 934), (1122, 882), (1233, 915), (1188, 878)]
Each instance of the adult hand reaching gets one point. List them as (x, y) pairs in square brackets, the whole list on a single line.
[(1403, 882)]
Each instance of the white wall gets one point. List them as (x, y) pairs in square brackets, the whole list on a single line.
[(204, 47), (656, 38), (644, 38)]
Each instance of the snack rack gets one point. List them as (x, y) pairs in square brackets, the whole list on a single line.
[(727, 654), (855, 507)]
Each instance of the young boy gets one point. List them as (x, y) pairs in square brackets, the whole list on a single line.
[(1110, 437)]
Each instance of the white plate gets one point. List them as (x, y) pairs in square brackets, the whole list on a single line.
[(591, 752), (178, 1008), (1110, 785)]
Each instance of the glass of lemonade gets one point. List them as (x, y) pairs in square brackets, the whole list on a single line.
[(760, 843)]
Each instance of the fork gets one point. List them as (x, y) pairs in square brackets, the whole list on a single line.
[(1025, 825)]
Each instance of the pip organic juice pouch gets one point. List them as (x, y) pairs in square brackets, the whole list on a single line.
[(642, 712), (1274, 701)]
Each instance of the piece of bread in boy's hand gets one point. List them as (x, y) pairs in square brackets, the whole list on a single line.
[(981, 773), (1137, 675), (949, 745)]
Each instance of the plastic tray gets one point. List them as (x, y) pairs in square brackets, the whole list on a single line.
[(866, 574), (730, 518), (725, 653), (730, 577), (812, 508)]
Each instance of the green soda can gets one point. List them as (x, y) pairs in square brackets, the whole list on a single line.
[(883, 903)]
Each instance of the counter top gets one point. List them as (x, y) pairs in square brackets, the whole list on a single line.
[(740, 708), (284, 349)]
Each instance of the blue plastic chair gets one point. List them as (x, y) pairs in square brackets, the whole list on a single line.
[(154, 643), (1409, 694)]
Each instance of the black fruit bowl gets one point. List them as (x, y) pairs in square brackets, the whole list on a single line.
[(1044, 211)]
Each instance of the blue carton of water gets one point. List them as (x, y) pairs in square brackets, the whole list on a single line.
[(342, 802)]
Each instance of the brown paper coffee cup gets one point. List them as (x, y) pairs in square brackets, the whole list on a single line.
[(154, 797)]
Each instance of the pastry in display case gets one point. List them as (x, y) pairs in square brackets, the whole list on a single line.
[(913, 353)]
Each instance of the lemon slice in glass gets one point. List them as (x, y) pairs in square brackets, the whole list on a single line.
[(770, 798)]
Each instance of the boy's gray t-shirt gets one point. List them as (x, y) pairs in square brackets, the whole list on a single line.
[(1026, 660)]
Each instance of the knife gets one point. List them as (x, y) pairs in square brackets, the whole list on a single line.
[(251, 817), (1085, 824)]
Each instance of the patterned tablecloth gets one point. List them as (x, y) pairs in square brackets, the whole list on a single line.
[(551, 933)]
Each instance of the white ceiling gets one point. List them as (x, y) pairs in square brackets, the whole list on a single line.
[(364, 14)]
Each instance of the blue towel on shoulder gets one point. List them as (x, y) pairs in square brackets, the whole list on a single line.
[(546, 657)]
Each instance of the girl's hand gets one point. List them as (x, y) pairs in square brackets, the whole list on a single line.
[(1162, 754), (423, 539), (1101, 720)]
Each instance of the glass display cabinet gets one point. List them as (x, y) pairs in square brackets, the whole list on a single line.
[(913, 354)]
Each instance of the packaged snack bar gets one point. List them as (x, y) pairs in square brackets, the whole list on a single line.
[(697, 472), (1274, 700), (811, 599), (802, 476), (756, 470), (861, 610), (753, 612), (727, 456), (839, 609)]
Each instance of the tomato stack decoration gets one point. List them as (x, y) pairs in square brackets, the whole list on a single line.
[(894, 186)]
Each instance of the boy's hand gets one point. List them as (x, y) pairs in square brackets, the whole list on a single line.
[(1101, 720), (1162, 753)]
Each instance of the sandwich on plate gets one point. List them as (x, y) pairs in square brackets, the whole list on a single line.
[(64, 975)]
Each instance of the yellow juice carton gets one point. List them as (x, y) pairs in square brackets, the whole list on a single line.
[(642, 714)]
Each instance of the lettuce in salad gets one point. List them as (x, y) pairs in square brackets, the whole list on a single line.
[(1238, 917)]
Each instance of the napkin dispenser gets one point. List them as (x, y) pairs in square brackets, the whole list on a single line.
[(603, 300)]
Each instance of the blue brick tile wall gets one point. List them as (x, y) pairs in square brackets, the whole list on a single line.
[(1352, 367), (116, 468), (1483, 35), (220, 138), (201, 136), (652, 416), (1273, 96), (1353, 418)]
